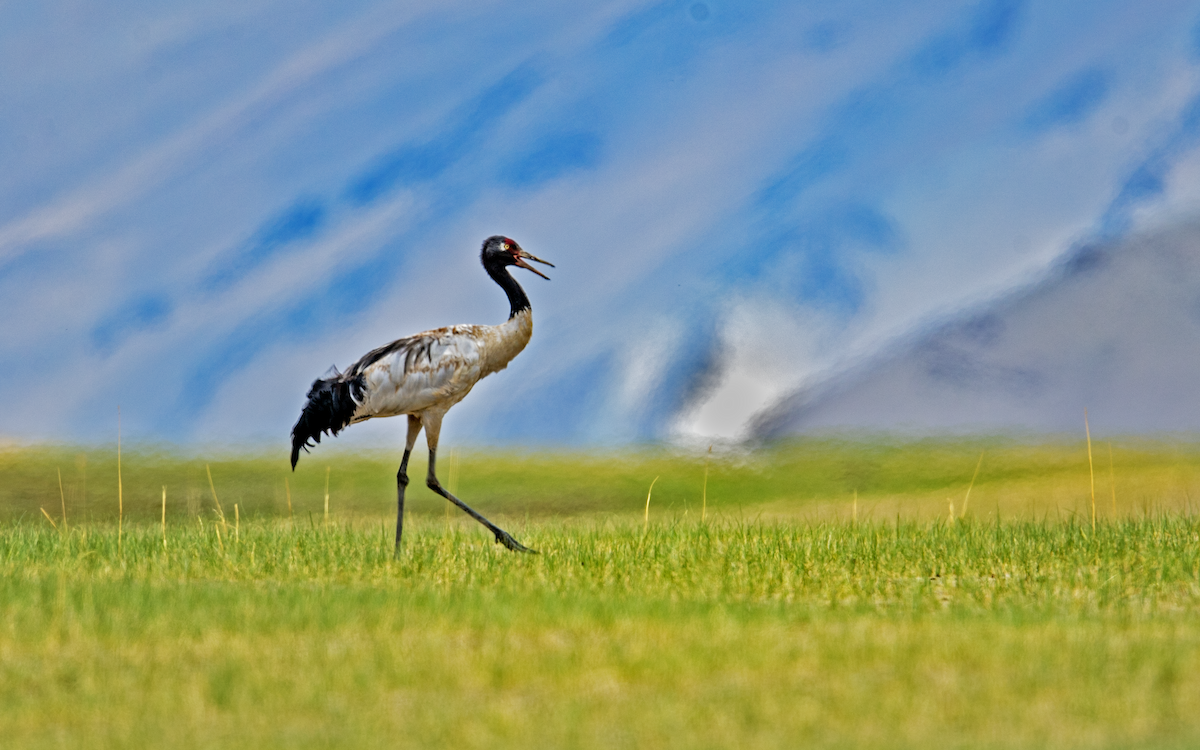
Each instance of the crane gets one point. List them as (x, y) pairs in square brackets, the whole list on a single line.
[(422, 376)]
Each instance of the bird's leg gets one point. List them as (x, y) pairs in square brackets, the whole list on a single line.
[(432, 430), (502, 536), (414, 428)]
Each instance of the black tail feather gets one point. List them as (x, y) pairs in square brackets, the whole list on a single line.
[(330, 407)]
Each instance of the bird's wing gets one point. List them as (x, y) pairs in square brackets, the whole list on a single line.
[(434, 368)]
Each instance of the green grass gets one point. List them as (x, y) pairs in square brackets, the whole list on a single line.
[(778, 622), (804, 478)]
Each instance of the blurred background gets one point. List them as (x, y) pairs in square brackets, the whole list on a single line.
[(767, 219)]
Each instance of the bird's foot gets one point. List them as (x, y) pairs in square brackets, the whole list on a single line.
[(503, 537)]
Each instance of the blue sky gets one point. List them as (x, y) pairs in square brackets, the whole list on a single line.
[(203, 208)]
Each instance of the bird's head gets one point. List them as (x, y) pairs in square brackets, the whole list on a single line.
[(502, 251)]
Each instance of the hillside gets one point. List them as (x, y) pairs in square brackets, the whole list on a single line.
[(1114, 329)]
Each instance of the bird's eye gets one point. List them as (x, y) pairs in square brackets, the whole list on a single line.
[(507, 247)]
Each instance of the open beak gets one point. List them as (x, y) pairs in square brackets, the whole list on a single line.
[(521, 254)]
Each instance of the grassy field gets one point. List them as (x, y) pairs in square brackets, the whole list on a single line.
[(809, 594), (810, 479)]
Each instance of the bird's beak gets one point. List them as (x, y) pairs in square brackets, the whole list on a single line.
[(521, 254)]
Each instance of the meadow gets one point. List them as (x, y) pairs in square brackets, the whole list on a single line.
[(811, 593)]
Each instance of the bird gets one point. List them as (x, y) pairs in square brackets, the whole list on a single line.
[(422, 376)]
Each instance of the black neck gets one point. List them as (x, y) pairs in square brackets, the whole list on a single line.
[(516, 295)]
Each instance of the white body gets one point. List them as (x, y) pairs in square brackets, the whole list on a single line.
[(434, 370)]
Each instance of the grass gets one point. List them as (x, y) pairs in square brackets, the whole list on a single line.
[(812, 479), (779, 622)]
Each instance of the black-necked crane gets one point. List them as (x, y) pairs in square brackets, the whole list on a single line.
[(423, 376)]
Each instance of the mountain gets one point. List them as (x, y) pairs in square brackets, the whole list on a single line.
[(1115, 329)]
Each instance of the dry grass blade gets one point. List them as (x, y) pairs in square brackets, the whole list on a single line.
[(62, 496), (120, 492), (1091, 469), (48, 518), (212, 487), (1112, 480), (974, 476), (646, 515)]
